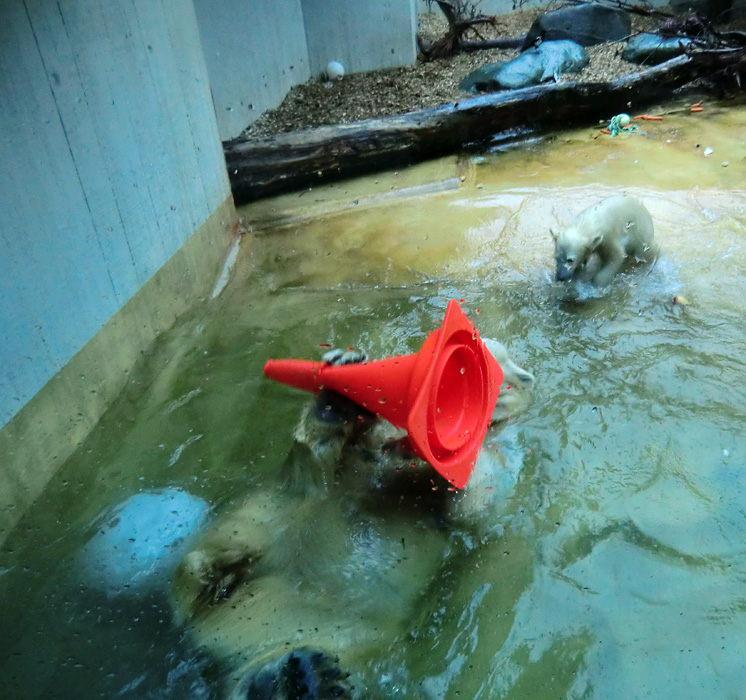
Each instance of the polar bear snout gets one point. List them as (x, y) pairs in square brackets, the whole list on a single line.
[(513, 375), (566, 266), (523, 378), (566, 256), (564, 271)]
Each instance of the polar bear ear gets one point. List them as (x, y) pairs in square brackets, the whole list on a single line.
[(596, 241)]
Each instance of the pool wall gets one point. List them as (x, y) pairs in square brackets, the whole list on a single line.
[(256, 50), (115, 208), (115, 213)]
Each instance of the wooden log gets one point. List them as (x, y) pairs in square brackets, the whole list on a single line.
[(471, 45), (263, 166)]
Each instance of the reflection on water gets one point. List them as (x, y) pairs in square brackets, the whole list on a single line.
[(618, 566)]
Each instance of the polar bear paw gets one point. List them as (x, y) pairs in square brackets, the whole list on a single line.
[(339, 357), (212, 579), (333, 408), (303, 674)]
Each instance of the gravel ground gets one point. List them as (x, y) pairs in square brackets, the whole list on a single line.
[(425, 84)]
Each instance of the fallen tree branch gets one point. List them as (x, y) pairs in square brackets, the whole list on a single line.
[(471, 45), (635, 8), (263, 166), (462, 16)]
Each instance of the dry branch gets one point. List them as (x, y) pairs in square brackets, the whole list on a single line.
[(462, 16)]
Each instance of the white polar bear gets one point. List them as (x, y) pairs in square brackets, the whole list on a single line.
[(595, 247), (325, 570)]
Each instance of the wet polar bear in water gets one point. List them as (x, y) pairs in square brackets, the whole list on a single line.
[(295, 589), (595, 247)]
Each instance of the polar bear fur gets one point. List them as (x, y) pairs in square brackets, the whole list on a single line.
[(605, 235), (324, 570)]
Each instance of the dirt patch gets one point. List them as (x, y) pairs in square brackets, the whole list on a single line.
[(426, 84)]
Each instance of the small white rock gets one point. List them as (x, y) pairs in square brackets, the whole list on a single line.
[(708, 151), (334, 70)]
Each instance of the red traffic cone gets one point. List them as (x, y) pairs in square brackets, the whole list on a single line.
[(443, 396)]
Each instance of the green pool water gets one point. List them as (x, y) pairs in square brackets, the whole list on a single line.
[(617, 564)]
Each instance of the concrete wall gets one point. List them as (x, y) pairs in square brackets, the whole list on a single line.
[(362, 35), (111, 162), (110, 146), (257, 50)]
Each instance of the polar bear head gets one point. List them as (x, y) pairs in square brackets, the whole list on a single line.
[(572, 249)]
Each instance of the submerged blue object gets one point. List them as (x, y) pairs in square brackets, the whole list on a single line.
[(141, 540)]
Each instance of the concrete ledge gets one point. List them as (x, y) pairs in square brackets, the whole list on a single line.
[(48, 429)]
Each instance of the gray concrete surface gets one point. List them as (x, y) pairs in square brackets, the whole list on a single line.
[(111, 160), (112, 169), (256, 51)]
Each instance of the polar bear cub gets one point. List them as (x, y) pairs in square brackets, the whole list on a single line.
[(605, 235)]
